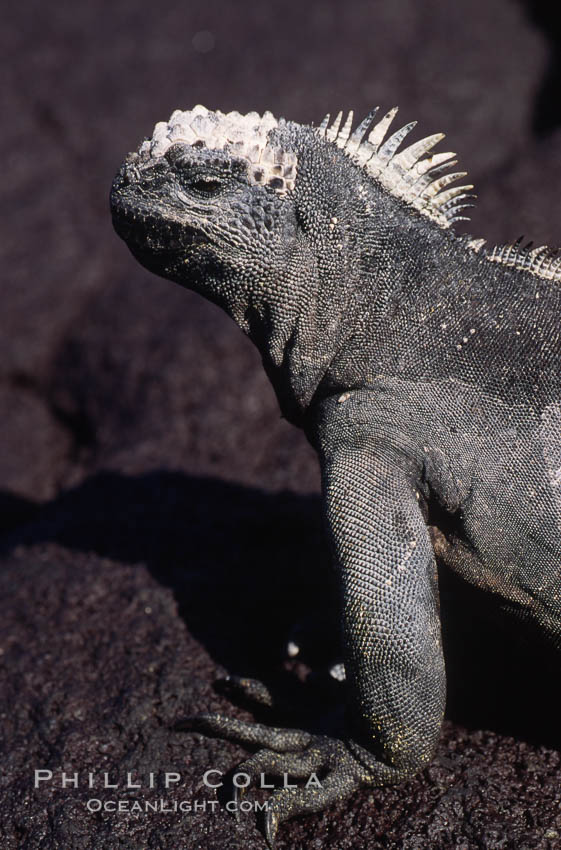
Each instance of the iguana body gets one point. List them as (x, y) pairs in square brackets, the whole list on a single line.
[(424, 368)]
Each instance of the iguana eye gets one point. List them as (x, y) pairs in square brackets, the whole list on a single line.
[(207, 186)]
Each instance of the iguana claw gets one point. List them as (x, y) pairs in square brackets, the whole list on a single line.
[(330, 769), (271, 826)]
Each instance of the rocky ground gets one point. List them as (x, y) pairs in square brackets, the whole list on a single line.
[(160, 522)]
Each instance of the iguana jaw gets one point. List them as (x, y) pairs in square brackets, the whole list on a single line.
[(146, 232), (165, 240)]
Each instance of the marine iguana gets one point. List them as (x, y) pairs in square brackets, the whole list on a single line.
[(423, 366)]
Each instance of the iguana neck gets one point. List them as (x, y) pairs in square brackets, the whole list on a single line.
[(367, 267), (374, 261), (375, 288)]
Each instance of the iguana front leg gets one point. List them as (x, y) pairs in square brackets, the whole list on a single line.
[(391, 627), (391, 634)]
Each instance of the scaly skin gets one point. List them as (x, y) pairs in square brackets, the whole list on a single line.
[(423, 372)]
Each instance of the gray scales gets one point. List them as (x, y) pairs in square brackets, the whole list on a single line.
[(423, 366)]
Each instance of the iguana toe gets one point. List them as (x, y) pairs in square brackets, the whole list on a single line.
[(253, 734), (326, 764)]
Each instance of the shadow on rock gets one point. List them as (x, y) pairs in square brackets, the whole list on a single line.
[(242, 563)]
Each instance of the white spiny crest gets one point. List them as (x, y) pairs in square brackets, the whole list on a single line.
[(543, 262), (245, 136), (416, 177), (410, 174)]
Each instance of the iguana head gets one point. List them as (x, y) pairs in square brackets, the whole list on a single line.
[(216, 202), (282, 225), (205, 202)]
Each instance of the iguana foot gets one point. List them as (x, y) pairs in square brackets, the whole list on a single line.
[(328, 766), (330, 772)]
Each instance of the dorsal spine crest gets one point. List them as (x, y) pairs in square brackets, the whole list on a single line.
[(409, 175)]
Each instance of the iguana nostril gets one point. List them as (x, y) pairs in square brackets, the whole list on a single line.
[(129, 172)]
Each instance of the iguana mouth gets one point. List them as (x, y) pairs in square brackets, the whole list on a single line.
[(148, 233)]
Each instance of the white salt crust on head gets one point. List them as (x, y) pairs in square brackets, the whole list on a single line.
[(245, 136)]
